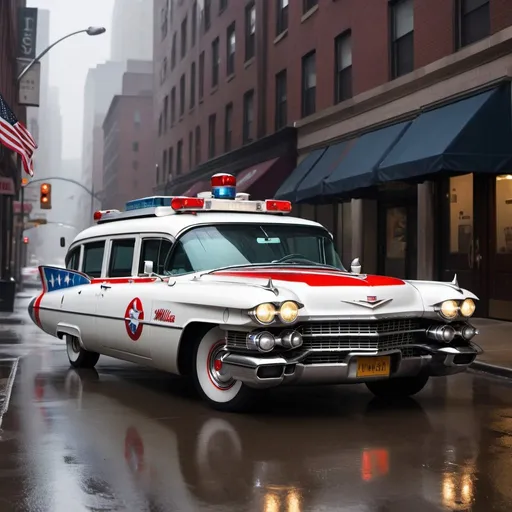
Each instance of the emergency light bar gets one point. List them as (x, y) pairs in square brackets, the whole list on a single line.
[(222, 198)]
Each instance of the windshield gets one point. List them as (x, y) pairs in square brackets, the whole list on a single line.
[(210, 247)]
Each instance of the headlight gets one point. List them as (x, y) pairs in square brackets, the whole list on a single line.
[(265, 313), (449, 309), (467, 308), (288, 312)]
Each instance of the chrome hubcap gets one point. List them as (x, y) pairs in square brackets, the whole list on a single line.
[(75, 346), (218, 374)]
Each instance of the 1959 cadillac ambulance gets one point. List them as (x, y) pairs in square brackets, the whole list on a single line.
[(243, 297)]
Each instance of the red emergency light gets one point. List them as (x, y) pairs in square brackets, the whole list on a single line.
[(278, 206), (184, 203), (223, 180)]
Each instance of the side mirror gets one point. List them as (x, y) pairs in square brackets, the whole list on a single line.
[(355, 266), (62, 241), (148, 267)]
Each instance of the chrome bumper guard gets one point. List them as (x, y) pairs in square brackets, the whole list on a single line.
[(267, 372)]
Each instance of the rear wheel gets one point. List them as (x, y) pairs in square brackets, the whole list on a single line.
[(78, 357), (214, 383), (401, 387)]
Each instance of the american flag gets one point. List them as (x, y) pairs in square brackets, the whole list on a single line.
[(55, 278), (15, 136)]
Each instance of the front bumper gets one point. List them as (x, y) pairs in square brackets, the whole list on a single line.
[(266, 372)]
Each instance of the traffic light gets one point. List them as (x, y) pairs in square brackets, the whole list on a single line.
[(24, 182), (45, 197), (26, 240)]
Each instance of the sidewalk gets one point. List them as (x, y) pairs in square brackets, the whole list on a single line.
[(19, 315), (495, 339)]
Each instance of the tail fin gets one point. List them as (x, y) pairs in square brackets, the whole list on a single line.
[(56, 278)]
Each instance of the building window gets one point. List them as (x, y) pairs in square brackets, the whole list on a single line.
[(164, 167), (166, 109), (179, 158), (192, 85), (307, 5), (228, 127), (135, 146), (343, 67), (198, 145), (171, 162), (160, 123), (163, 22), (136, 115), (248, 118), (207, 14), (194, 24), (212, 121), (135, 165), (215, 62), (173, 106), (474, 21), (173, 51), (184, 38), (402, 40), (250, 31), (230, 49), (182, 95), (309, 84), (223, 5), (190, 150), (281, 100), (201, 76), (281, 16)]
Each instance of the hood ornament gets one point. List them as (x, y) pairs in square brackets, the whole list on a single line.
[(270, 286), (371, 302)]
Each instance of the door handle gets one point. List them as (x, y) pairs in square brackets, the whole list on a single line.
[(105, 286)]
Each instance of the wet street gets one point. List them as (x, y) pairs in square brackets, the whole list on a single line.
[(125, 438)]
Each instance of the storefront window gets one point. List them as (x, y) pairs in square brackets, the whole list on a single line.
[(396, 241), (461, 213), (504, 214)]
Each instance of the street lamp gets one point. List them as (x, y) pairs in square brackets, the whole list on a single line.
[(90, 31)]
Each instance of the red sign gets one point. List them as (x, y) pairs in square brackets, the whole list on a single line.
[(16, 207), (6, 186)]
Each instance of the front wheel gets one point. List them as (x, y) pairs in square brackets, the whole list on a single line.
[(78, 357), (400, 387), (213, 382)]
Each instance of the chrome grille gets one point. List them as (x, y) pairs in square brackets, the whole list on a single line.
[(236, 340), (379, 336)]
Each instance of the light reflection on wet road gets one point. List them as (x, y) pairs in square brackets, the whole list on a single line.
[(128, 438)]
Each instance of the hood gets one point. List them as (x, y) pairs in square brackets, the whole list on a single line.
[(331, 293)]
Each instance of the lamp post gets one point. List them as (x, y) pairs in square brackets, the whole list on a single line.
[(91, 31)]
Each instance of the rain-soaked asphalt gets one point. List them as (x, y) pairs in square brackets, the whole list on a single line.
[(128, 438)]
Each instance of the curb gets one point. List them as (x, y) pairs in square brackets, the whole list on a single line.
[(499, 371)]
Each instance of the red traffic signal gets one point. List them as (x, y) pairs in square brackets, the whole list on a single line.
[(45, 196), (26, 240)]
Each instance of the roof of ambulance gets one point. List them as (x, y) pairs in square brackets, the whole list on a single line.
[(175, 223)]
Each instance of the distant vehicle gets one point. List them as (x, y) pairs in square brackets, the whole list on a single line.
[(30, 277)]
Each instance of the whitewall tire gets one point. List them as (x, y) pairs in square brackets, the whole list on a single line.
[(78, 357), (212, 380)]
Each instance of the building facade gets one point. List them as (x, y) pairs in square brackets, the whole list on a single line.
[(404, 142), (128, 143), (212, 87), (9, 166)]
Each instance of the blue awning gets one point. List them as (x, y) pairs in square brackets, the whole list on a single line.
[(312, 185), (357, 169), (470, 135), (288, 189)]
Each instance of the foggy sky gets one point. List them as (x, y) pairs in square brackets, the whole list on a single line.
[(70, 60)]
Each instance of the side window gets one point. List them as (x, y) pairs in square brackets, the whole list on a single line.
[(73, 259), (93, 258), (121, 258), (180, 263), (156, 250)]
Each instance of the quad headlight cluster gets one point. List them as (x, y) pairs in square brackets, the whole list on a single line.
[(453, 309), (267, 313)]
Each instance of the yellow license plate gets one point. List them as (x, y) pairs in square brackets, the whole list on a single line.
[(373, 366)]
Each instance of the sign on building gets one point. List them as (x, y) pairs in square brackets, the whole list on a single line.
[(6, 186), (30, 84), (27, 32)]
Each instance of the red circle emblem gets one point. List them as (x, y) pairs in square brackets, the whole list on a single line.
[(133, 318)]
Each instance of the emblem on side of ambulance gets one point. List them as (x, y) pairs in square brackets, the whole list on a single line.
[(133, 318)]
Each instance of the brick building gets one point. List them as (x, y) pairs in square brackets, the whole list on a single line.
[(128, 143), (401, 113), (9, 168)]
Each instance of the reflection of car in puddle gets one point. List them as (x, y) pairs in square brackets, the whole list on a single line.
[(248, 461)]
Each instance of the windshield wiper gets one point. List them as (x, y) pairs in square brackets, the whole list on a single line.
[(274, 265)]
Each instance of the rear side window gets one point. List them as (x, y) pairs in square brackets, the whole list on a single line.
[(121, 258), (156, 250), (93, 258), (73, 259)]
